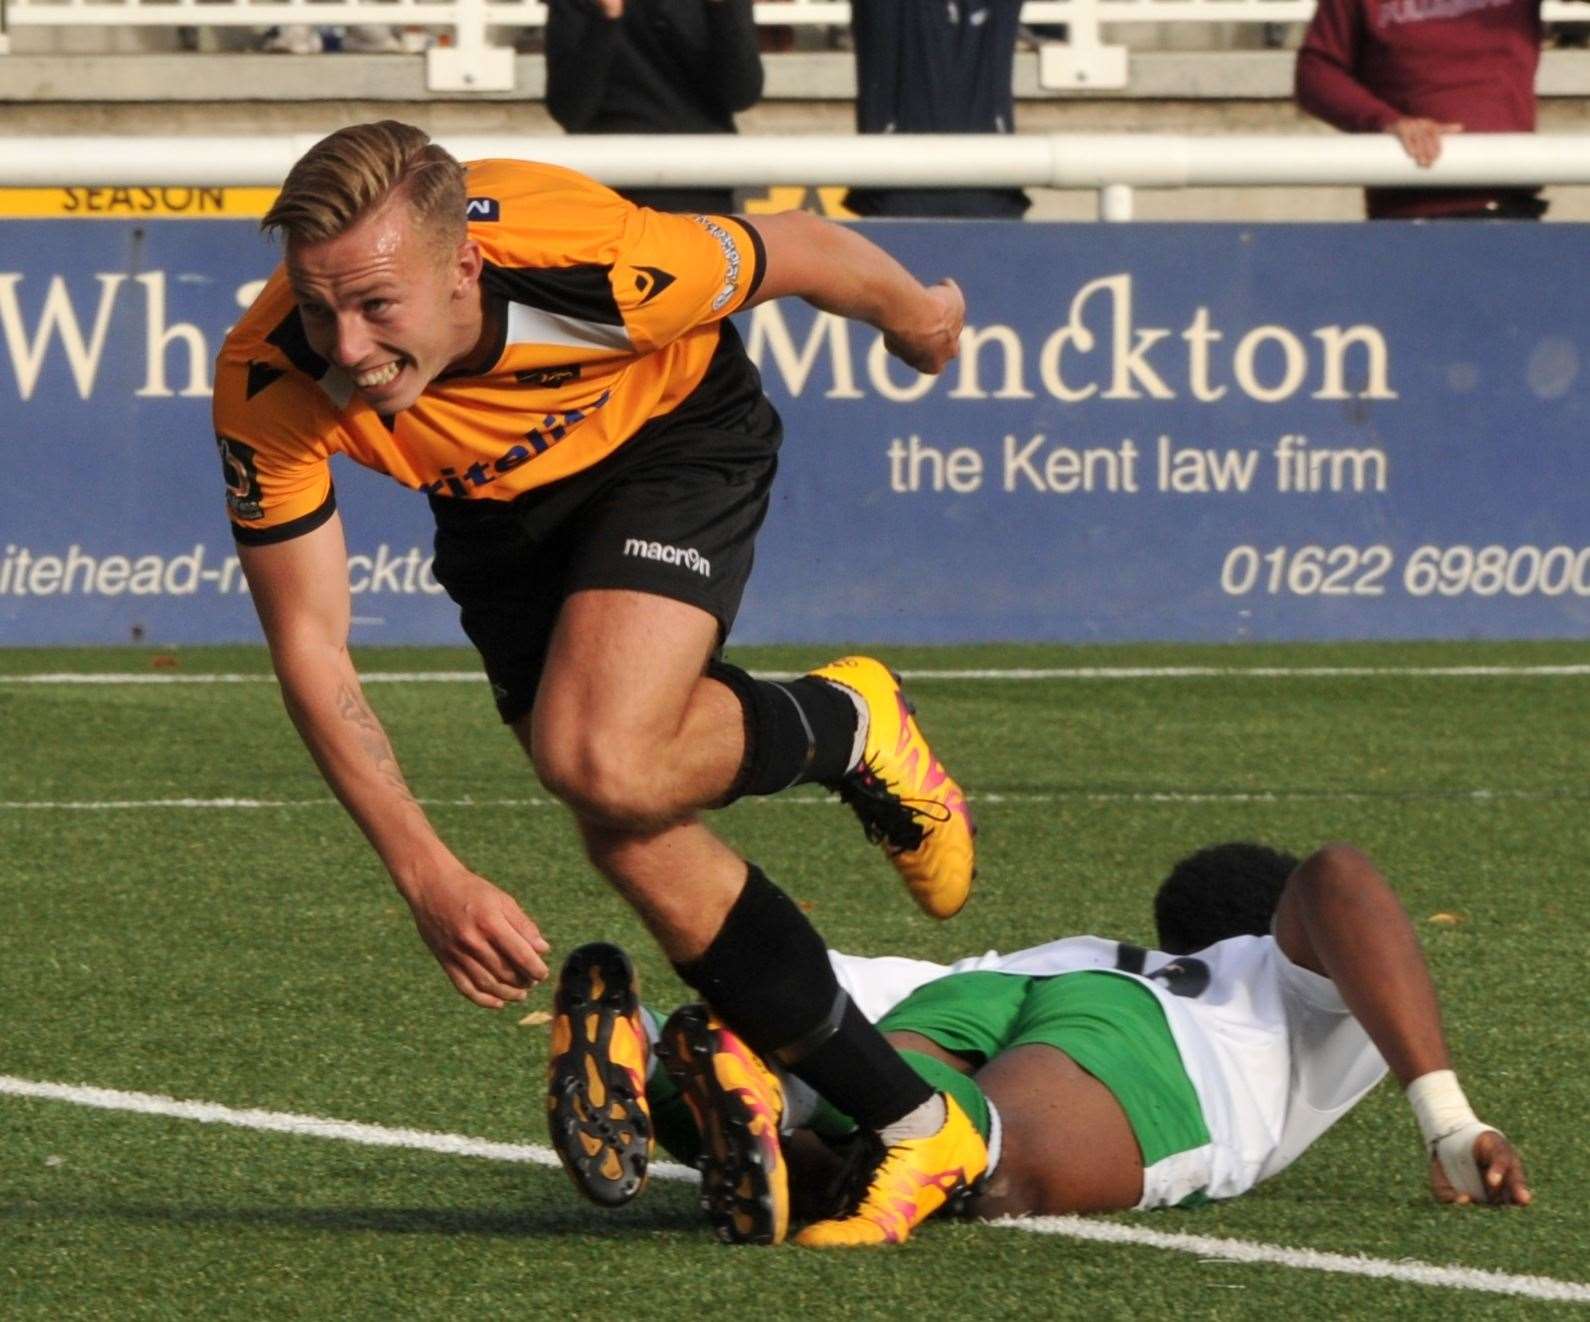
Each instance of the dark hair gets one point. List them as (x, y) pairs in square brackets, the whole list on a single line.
[(1224, 890)]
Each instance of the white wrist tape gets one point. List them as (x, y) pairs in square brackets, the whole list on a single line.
[(1449, 1127)]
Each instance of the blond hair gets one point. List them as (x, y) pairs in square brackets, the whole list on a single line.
[(353, 172)]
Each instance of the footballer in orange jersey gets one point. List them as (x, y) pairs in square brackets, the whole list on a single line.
[(551, 366), (601, 315)]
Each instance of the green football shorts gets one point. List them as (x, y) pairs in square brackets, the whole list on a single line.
[(1110, 1025)]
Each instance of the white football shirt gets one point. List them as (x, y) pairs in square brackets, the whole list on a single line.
[(1273, 1053)]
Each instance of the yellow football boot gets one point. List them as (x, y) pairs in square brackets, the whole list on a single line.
[(738, 1105), (596, 1076), (902, 795), (909, 1182)]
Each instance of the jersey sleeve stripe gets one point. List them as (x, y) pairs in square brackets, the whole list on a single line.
[(1130, 958), (758, 250), (285, 532), (580, 292), (289, 337), (528, 325)]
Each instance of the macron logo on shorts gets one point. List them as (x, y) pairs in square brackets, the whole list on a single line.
[(687, 556)]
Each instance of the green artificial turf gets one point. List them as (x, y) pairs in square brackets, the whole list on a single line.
[(255, 956)]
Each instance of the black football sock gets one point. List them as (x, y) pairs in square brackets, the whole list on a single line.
[(796, 731), (857, 1069), (672, 1119), (767, 973)]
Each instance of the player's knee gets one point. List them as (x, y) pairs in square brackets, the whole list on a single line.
[(601, 778)]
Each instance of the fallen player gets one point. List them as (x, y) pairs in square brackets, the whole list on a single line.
[(1101, 1076)]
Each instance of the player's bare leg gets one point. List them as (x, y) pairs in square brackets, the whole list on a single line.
[(634, 728), (627, 729), (1067, 1144), (631, 733)]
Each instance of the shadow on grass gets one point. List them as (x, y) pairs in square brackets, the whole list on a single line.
[(543, 1221)]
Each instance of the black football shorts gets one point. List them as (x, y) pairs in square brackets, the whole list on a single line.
[(674, 512)]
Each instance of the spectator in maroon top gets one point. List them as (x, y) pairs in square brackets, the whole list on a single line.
[(1421, 69)]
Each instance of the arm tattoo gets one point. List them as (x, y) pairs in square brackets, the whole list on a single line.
[(352, 707)]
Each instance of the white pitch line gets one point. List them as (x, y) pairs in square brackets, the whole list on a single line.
[(807, 801), (304, 1126), (1247, 1251), (260, 677), (1070, 1227), (1014, 674), (139, 805)]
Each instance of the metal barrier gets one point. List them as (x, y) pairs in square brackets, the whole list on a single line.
[(469, 61), (1114, 164)]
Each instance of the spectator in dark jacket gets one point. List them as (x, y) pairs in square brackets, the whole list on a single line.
[(653, 66), (935, 66), (1420, 70)]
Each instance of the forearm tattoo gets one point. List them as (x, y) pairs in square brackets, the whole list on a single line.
[(352, 707)]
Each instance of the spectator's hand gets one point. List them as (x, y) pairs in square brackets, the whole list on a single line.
[(1501, 1172), (1421, 138), (485, 943), (610, 9), (937, 338)]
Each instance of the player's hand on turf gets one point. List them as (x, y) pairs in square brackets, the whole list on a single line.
[(490, 948), (933, 341), (1501, 1172)]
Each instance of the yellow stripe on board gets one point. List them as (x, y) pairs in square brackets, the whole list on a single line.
[(252, 203), (135, 203)]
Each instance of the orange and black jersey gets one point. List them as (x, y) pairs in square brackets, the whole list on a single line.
[(610, 318)]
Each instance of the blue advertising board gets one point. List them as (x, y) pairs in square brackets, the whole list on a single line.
[(1178, 432)]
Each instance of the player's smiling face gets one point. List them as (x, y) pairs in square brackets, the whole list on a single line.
[(390, 302)]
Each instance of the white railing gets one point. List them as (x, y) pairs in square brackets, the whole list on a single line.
[(1112, 163), (471, 62)]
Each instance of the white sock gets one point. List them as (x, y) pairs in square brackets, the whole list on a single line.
[(653, 1025), (800, 1099), (996, 1138), (863, 724), (925, 1121)]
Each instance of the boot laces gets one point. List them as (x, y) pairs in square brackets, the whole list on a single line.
[(884, 815)]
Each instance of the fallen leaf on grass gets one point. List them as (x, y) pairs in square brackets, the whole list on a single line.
[(534, 1018)]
